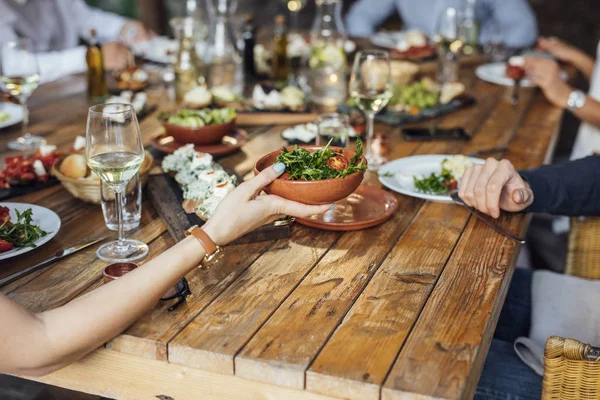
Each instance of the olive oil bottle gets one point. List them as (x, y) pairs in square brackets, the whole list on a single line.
[(281, 62), (97, 88)]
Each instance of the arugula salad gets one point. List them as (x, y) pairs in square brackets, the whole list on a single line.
[(22, 233), (325, 163), (445, 182)]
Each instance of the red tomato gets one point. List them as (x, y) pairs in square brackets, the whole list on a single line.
[(5, 246), (338, 162), (451, 184)]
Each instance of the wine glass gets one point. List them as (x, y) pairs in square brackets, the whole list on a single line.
[(370, 88), (449, 45), (114, 151), (19, 72)]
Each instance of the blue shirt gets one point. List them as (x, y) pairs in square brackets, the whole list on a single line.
[(514, 18)]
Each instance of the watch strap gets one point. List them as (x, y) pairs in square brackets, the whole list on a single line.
[(209, 246)]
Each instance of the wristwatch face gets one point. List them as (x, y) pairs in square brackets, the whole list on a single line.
[(576, 100)]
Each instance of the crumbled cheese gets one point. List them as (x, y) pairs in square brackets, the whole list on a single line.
[(201, 160), (517, 61), (47, 149), (223, 189), (38, 168), (457, 165), (79, 143), (199, 95)]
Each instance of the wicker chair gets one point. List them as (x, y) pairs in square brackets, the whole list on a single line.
[(571, 370), (583, 256)]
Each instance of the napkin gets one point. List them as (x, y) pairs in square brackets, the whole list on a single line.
[(562, 305)]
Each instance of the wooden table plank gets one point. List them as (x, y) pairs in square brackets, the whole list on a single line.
[(449, 353), (213, 338)]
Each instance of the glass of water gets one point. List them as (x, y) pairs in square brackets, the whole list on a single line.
[(131, 205), (335, 127)]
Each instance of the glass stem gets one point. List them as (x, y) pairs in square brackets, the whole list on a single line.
[(25, 124), (369, 144), (119, 205)]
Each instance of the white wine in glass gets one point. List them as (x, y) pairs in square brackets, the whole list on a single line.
[(114, 152), (19, 74), (370, 88)]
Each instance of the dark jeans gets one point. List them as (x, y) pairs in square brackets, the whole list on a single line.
[(505, 376)]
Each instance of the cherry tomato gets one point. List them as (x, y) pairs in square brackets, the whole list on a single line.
[(338, 162), (5, 246), (451, 184)]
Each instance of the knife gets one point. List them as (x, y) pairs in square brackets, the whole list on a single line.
[(515, 92), (456, 198), (59, 255)]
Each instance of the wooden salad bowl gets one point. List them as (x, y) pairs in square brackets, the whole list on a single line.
[(324, 191), (201, 135)]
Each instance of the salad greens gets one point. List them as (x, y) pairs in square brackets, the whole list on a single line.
[(197, 118), (436, 183), (21, 233), (301, 164)]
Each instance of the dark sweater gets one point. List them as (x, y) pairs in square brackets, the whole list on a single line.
[(571, 188)]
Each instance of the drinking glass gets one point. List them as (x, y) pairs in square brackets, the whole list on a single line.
[(131, 205), (370, 87), (333, 126), (448, 45), (115, 153), (19, 72)]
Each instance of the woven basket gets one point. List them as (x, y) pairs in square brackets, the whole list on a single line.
[(583, 256), (88, 190), (571, 370)]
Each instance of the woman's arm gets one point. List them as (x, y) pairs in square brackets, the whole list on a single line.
[(37, 344)]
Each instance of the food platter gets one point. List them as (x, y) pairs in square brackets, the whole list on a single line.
[(398, 175), (44, 218)]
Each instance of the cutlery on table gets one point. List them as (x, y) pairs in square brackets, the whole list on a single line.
[(51, 260), (515, 92), (455, 197), (496, 149)]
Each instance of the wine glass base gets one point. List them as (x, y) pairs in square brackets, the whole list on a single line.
[(124, 251), (375, 162), (27, 143)]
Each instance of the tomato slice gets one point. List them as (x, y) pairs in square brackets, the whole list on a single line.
[(338, 162), (5, 246)]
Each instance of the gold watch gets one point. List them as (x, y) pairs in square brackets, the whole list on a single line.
[(213, 252)]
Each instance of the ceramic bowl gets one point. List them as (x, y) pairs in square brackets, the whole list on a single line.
[(208, 134), (325, 191), (117, 270)]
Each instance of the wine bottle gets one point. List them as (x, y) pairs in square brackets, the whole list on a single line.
[(249, 43), (97, 88), (281, 66)]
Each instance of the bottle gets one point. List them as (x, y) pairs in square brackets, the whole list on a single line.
[(468, 29), (281, 66), (249, 42), (327, 61), (97, 88), (188, 66)]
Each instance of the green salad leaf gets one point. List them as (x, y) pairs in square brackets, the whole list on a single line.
[(302, 164), (22, 233), (197, 118), (436, 183)]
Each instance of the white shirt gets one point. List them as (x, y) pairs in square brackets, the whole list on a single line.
[(588, 137), (56, 26)]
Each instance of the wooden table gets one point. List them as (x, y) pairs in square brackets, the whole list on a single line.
[(403, 310)]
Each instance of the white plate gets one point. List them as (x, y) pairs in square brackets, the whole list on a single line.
[(389, 39), (46, 219), (15, 111), (156, 49), (496, 73), (404, 169)]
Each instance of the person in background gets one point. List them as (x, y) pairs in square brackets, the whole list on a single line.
[(57, 26), (35, 344), (514, 18), (546, 74), (571, 189)]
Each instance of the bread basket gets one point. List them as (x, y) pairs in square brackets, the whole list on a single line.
[(88, 190)]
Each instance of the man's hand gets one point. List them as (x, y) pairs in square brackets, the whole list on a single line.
[(135, 31), (116, 55), (546, 74), (495, 186), (559, 49)]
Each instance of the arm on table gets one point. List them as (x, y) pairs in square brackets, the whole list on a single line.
[(37, 344), (364, 16)]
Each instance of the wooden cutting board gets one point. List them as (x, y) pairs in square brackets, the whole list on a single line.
[(166, 195)]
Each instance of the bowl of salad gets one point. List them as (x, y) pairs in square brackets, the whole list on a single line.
[(206, 126), (315, 175)]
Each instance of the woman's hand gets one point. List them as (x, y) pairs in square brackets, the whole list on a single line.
[(244, 210), (546, 74), (558, 48), (495, 186)]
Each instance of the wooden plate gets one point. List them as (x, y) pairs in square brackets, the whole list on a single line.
[(366, 207), (230, 144)]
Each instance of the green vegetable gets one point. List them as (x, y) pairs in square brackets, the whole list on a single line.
[(21, 233), (197, 118), (4, 117), (304, 165), (387, 175), (414, 95), (435, 183)]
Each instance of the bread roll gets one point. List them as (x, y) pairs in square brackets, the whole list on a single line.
[(74, 166)]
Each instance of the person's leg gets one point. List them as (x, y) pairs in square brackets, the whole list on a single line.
[(506, 377), (515, 317)]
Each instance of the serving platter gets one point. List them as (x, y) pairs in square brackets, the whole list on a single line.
[(46, 219), (398, 175), (368, 206)]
